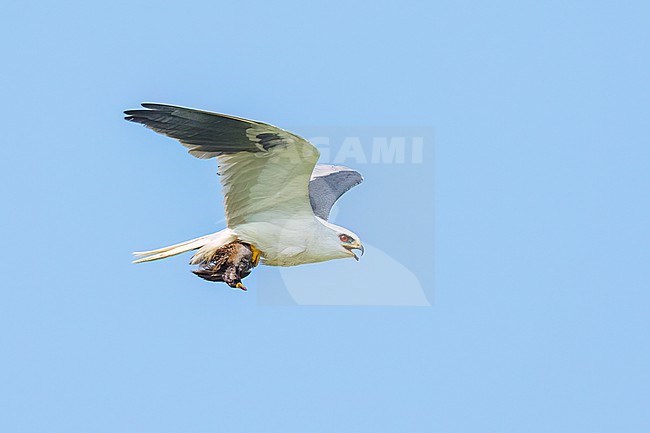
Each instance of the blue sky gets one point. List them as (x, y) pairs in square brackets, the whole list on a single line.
[(528, 229)]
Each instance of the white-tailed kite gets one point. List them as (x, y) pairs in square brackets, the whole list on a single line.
[(277, 200)]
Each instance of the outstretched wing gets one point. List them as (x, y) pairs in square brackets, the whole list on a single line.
[(264, 170), (328, 183)]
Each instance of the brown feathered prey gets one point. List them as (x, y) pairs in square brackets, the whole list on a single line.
[(230, 264)]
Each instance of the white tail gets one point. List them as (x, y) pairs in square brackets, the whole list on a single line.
[(205, 244)]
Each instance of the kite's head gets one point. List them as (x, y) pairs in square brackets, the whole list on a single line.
[(350, 242), (344, 241)]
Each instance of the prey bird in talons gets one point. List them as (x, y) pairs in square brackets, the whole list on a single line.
[(277, 199)]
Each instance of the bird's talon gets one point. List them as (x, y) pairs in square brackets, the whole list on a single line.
[(256, 255)]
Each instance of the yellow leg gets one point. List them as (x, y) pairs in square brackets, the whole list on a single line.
[(256, 255)]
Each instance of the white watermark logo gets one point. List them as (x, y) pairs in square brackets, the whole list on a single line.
[(394, 271), (371, 150)]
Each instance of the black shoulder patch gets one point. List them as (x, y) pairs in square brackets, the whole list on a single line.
[(269, 140)]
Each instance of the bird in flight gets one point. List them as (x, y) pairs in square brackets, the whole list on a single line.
[(277, 199)]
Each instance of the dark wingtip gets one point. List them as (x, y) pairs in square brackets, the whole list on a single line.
[(158, 106), (130, 115), (148, 106)]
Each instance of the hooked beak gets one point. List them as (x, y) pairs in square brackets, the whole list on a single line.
[(355, 246)]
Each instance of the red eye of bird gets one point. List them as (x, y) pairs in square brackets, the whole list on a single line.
[(345, 238)]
